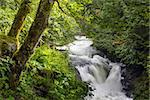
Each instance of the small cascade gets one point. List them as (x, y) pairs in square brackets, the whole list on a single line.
[(103, 76)]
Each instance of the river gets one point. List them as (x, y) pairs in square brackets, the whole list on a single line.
[(102, 75)]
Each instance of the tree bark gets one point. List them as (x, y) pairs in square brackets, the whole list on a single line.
[(26, 50), (19, 19)]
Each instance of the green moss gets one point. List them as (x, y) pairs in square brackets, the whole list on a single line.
[(8, 45)]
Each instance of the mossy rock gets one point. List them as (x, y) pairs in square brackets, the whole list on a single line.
[(8, 45)]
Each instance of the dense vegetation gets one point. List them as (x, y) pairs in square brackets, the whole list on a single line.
[(119, 28), (47, 76)]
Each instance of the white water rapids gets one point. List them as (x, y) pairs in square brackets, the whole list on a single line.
[(103, 76)]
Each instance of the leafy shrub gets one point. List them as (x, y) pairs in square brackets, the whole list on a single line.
[(5, 92), (141, 88), (47, 76), (6, 19), (52, 78)]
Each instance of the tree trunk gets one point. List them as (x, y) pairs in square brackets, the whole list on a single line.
[(7, 46), (20, 18), (32, 39)]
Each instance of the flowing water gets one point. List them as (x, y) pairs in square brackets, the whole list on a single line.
[(102, 75)]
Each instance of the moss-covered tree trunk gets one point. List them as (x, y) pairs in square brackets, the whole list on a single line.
[(31, 41), (19, 19), (9, 44)]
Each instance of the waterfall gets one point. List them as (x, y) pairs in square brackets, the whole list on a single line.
[(102, 75)]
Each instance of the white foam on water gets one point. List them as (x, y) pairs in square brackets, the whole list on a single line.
[(102, 75)]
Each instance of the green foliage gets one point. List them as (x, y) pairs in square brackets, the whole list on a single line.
[(141, 91), (4, 78), (47, 77), (120, 29), (54, 75), (62, 27), (6, 19)]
